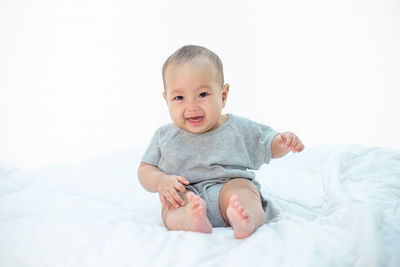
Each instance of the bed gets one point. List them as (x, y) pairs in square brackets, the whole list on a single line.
[(329, 206)]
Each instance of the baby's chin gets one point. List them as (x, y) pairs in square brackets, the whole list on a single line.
[(203, 127)]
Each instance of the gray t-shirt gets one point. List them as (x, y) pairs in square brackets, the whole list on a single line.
[(230, 151)]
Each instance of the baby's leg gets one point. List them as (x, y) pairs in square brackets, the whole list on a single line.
[(191, 217), (240, 206)]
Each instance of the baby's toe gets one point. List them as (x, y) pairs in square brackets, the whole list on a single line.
[(192, 197), (234, 199), (245, 214)]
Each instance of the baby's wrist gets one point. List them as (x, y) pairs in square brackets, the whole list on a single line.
[(159, 181)]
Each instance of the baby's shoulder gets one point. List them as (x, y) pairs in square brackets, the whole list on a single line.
[(166, 127), (242, 123), (166, 131)]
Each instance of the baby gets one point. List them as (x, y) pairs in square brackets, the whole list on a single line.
[(199, 163)]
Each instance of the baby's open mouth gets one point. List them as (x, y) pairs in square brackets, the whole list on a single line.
[(195, 120)]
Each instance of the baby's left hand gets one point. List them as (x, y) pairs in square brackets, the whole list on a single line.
[(290, 142)]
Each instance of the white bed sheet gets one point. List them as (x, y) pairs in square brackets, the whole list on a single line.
[(333, 206)]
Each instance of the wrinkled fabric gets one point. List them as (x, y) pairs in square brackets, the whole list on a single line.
[(329, 206)]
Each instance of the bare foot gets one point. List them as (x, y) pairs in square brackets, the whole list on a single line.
[(239, 218), (196, 218)]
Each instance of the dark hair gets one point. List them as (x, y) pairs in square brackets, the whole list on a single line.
[(188, 53)]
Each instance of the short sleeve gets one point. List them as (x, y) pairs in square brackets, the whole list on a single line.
[(258, 139), (153, 154)]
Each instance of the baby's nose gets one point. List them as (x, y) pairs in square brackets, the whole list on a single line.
[(192, 106)]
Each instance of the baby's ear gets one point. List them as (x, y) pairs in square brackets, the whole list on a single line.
[(165, 98), (225, 91)]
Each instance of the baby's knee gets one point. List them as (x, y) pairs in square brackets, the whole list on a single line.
[(243, 186)]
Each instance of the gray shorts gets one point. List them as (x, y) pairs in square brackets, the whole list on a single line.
[(209, 190)]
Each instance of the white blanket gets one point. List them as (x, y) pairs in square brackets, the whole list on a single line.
[(333, 206)]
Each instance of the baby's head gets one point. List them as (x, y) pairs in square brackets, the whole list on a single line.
[(191, 54), (194, 89)]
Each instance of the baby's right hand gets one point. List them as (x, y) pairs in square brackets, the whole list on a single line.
[(167, 189)]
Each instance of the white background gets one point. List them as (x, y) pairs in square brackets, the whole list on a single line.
[(83, 77)]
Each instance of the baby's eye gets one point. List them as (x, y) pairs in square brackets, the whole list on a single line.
[(204, 94), (178, 97)]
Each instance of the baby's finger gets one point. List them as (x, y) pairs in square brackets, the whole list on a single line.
[(172, 201), (295, 144), (301, 148), (182, 180), (180, 187), (178, 199), (281, 139), (289, 141), (298, 146), (163, 202)]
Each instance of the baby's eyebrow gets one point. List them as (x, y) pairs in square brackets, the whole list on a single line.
[(205, 86), (177, 91)]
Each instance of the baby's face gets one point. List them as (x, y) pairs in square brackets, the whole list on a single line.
[(194, 97)]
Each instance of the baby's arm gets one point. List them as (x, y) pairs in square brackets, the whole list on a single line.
[(154, 180), (285, 142)]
